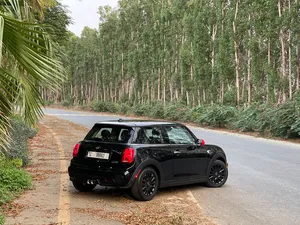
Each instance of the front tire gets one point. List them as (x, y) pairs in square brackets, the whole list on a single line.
[(83, 186), (217, 174), (146, 185)]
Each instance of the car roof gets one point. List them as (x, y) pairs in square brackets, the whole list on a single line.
[(137, 123)]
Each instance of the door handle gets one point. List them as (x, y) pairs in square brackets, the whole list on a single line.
[(177, 152)]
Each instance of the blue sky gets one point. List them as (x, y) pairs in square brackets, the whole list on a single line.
[(84, 13)]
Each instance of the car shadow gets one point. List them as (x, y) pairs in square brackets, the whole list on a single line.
[(111, 193)]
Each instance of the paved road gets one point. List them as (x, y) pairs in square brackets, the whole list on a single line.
[(264, 181)]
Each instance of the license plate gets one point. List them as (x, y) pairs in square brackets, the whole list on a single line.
[(98, 155)]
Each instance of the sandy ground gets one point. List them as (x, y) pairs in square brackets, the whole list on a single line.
[(53, 200)]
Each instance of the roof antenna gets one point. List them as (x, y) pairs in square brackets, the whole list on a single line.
[(120, 120)]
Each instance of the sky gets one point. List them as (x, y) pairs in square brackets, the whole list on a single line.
[(84, 13)]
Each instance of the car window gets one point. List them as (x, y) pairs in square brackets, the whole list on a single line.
[(109, 133), (179, 135), (149, 135)]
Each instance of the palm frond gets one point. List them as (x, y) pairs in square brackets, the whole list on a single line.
[(31, 49), (9, 87)]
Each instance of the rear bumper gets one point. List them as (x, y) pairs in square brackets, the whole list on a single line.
[(112, 178)]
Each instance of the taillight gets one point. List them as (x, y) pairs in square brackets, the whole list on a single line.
[(76, 150), (128, 155), (202, 142)]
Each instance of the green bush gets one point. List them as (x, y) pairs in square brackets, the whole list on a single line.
[(48, 102), (67, 103), (100, 106), (2, 219), (295, 129), (156, 111), (248, 118), (20, 133), (196, 112), (14, 179), (283, 120), (218, 116), (173, 112), (124, 109), (141, 110)]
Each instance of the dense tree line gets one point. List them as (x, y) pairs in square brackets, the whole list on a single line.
[(195, 51)]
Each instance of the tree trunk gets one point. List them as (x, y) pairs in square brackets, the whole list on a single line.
[(297, 67), (290, 60), (165, 84), (236, 54), (249, 76), (282, 94), (187, 98), (158, 85), (269, 66)]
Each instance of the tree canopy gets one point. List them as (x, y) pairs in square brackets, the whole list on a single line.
[(192, 51)]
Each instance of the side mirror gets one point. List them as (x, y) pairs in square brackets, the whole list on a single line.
[(200, 142)]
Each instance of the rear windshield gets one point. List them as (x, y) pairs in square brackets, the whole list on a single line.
[(110, 133)]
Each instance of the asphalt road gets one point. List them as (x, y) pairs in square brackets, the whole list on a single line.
[(264, 176)]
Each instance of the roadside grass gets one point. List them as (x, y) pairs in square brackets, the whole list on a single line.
[(13, 179)]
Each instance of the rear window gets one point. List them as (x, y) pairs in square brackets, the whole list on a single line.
[(110, 133)]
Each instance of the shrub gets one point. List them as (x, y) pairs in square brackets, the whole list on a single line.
[(283, 120), (124, 109), (248, 117), (67, 103), (173, 112), (100, 106), (264, 119), (17, 149), (196, 112), (156, 111), (141, 110), (14, 179), (2, 219), (218, 116), (48, 102), (295, 129)]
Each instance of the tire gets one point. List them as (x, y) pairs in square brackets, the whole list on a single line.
[(146, 185), (83, 186), (217, 174)]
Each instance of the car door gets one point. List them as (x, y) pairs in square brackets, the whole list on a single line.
[(190, 161), (154, 147)]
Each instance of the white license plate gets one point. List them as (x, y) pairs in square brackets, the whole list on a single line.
[(98, 155)]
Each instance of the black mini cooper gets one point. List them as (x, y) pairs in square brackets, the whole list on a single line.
[(145, 156)]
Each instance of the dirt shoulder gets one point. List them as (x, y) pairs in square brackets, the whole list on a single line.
[(53, 200)]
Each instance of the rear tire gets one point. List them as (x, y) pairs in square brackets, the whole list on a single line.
[(146, 185), (217, 174), (83, 186)]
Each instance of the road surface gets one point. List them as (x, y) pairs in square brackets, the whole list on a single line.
[(264, 176)]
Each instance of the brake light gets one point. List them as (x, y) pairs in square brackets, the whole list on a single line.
[(128, 155), (76, 150)]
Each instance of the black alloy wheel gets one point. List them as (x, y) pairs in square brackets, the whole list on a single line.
[(218, 174), (146, 185)]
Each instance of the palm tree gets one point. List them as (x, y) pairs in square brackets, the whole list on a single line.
[(26, 62)]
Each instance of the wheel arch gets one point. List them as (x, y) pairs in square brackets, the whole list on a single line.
[(150, 163), (217, 156)]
